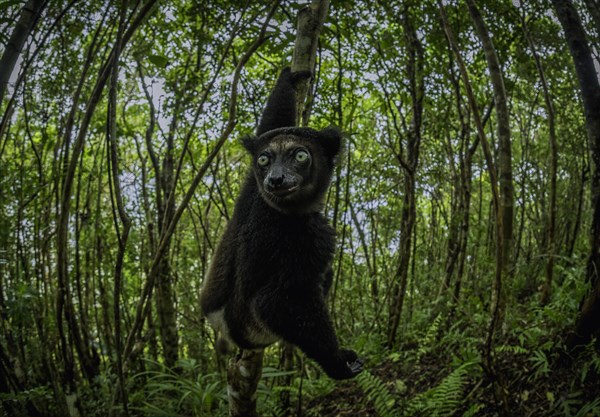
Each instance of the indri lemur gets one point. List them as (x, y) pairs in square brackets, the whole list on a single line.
[(271, 271)]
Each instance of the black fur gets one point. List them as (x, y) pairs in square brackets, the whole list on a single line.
[(271, 271)]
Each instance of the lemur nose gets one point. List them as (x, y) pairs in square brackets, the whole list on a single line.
[(276, 181)]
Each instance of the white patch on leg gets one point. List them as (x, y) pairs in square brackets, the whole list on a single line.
[(257, 332), (217, 321)]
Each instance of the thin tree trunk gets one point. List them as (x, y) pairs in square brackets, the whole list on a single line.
[(165, 295), (505, 176), (123, 216), (64, 305), (466, 170), (465, 152), (587, 324), (243, 374), (551, 226), (29, 17), (310, 21), (452, 251), (488, 359), (407, 224), (580, 200), (414, 69)]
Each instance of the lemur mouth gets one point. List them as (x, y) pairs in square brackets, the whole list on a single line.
[(282, 192)]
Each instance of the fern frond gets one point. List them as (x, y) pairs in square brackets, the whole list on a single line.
[(444, 399), (430, 337), (516, 350), (378, 393)]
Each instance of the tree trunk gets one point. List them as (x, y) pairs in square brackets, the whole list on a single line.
[(123, 216), (165, 295), (551, 225), (587, 324), (504, 163), (243, 374), (310, 20), (407, 224), (29, 17), (488, 356), (167, 314), (463, 185), (414, 69)]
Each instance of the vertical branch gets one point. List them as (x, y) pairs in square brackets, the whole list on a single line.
[(113, 160), (243, 374), (488, 361), (551, 226), (409, 163), (504, 165), (29, 17), (587, 324), (310, 20)]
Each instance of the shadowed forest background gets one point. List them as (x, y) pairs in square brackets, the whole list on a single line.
[(466, 203)]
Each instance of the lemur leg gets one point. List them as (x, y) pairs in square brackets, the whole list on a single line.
[(305, 323)]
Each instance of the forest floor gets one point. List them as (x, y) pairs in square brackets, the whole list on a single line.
[(535, 386)]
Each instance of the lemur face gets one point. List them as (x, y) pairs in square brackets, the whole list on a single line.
[(291, 173), (293, 166), (283, 167)]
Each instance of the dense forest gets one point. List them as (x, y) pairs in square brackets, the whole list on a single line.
[(466, 203)]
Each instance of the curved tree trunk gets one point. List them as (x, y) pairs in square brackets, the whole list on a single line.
[(551, 225), (310, 20), (124, 219), (409, 163), (496, 307), (587, 325), (29, 16), (504, 162), (165, 291)]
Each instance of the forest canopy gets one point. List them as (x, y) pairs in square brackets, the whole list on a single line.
[(466, 203)]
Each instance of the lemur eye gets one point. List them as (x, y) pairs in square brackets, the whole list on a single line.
[(301, 156), (263, 160)]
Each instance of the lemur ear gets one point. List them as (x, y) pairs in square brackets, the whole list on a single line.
[(330, 139), (249, 142), (296, 77)]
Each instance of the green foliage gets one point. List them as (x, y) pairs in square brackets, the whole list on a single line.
[(17, 401), (440, 401), (540, 363), (473, 410), (377, 393), (173, 97), (571, 407), (445, 398), (511, 349), (428, 341), (158, 60), (591, 364), (181, 392)]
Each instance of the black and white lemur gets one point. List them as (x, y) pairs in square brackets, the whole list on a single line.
[(271, 271)]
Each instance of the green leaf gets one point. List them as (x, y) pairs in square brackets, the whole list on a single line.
[(159, 60)]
